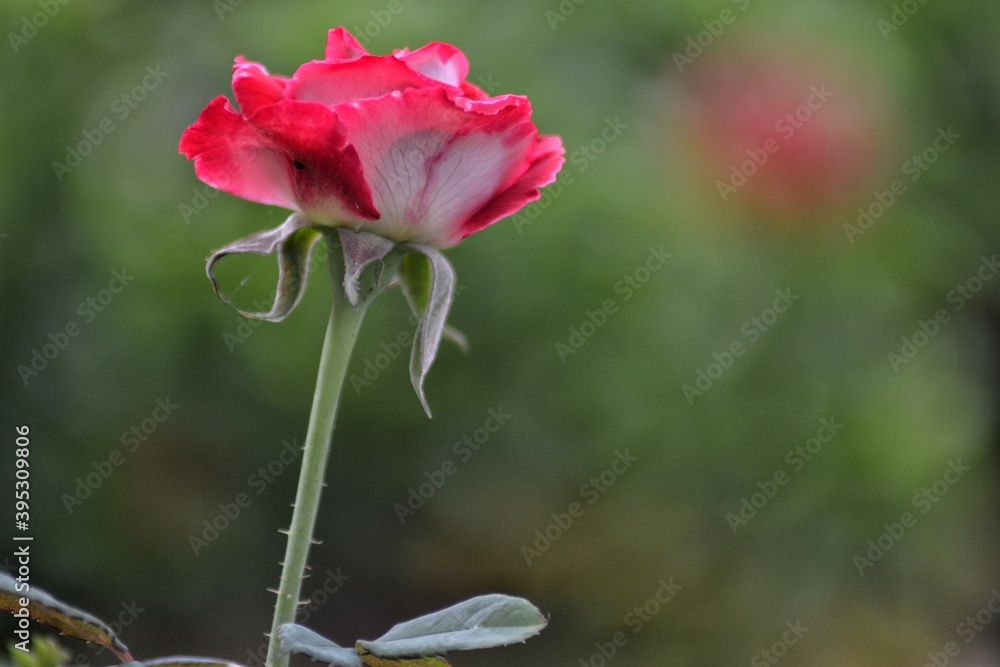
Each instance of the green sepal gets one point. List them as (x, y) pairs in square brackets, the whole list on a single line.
[(369, 263), (416, 280), (44, 652), (293, 241), (429, 285)]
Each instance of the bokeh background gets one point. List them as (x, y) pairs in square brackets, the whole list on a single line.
[(872, 208)]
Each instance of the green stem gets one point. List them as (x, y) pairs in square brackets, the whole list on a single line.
[(341, 333)]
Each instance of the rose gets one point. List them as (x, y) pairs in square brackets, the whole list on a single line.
[(782, 136), (401, 146)]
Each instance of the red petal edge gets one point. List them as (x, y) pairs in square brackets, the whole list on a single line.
[(546, 161), (230, 155), (341, 45)]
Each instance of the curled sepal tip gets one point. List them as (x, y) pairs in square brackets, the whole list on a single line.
[(293, 241), (429, 283)]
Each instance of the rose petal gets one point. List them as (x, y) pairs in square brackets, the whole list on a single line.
[(400, 145), (473, 92), (323, 168), (368, 76), (545, 163), (254, 88), (439, 61), (341, 45), (229, 154), (434, 159)]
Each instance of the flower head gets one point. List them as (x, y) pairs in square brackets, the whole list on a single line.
[(401, 146)]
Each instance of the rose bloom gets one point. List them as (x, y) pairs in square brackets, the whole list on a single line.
[(791, 136), (401, 146)]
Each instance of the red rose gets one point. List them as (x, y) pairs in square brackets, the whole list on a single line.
[(401, 146)]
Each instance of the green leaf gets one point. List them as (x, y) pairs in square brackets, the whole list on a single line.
[(416, 273), (301, 640), (188, 661), (44, 652), (482, 622), (293, 241), (365, 263), (429, 282), (372, 660), (460, 340), (47, 610)]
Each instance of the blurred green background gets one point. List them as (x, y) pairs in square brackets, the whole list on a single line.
[(658, 103)]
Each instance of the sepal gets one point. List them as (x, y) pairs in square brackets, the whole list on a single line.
[(369, 263), (293, 241), (429, 283)]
